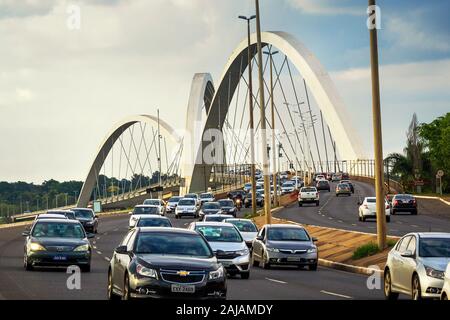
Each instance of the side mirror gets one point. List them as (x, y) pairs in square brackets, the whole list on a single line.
[(260, 238), (90, 235), (408, 254), (314, 239), (26, 233), (121, 250)]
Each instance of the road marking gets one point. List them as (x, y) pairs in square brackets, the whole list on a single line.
[(335, 294), (399, 222), (107, 259), (99, 252), (414, 226), (354, 224), (277, 281), (330, 218), (94, 247), (116, 229), (98, 238), (340, 221)]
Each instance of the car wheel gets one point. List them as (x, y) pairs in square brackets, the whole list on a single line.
[(388, 219), (416, 292), (245, 275), (26, 264), (388, 286), (313, 267), (363, 219), (111, 295), (393, 212), (176, 216), (317, 203), (414, 213), (444, 297), (126, 288), (300, 204)]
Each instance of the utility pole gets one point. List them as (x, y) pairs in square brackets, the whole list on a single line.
[(252, 137), (159, 158), (270, 53), (267, 204), (377, 133)]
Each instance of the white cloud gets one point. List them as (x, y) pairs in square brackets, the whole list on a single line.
[(327, 7)]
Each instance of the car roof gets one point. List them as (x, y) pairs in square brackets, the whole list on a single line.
[(283, 225), (58, 211), (434, 235), (85, 209), (146, 206), (60, 221), (215, 224), (153, 216), (165, 229), (212, 202), (51, 215), (152, 199), (239, 219)]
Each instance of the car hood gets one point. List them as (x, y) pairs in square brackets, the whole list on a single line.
[(45, 241), (211, 211), (249, 236), (297, 245), (436, 263), (227, 246), (178, 262)]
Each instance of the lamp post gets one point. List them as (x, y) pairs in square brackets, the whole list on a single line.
[(250, 89)]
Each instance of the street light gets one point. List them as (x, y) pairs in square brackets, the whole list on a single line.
[(250, 88)]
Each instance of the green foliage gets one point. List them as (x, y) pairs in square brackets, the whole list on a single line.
[(370, 249)]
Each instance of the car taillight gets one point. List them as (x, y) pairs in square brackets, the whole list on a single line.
[(387, 206)]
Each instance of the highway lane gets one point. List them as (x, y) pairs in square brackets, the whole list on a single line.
[(281, 283), (342, 212)]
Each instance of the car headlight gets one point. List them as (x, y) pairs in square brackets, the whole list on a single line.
[(217, 274), (146, 272), (434, 273), (242, 252), (84, 247), (272, 249), (312, 250), (36, 247)]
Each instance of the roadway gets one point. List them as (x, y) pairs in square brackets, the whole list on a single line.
[(342, 212), (282, 283)]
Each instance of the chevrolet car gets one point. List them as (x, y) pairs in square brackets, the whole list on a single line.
[(165, 263), (403, 203), (209, 208), (227, 206), (246, 227)]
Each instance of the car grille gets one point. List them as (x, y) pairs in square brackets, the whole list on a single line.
[(59, 248), (288, 251), (227, 255), (174, 276)]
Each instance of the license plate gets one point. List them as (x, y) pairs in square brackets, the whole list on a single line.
[(182, 289), (60, 258), (293, 259)]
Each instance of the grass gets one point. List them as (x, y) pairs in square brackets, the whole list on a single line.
[(370, 249)]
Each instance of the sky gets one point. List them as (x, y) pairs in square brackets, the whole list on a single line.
[(62, 89)]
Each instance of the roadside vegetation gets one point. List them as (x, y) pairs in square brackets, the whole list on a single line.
[(370, 249)]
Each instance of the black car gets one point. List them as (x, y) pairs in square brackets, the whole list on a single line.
[(352, 187), (88, 219), (248, 200), (209, 208), (323, 185), (56, 242), (403, 203), (228, 206), (165, 263), (68, 213)]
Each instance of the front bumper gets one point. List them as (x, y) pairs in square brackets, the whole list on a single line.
[(302, 259), (50, 258), (239, 264), (308, 200), (89, 227), (186, 213), (431, 287)]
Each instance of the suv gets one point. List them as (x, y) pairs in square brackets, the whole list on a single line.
[(323, 185), (404, 203), (308, 195)]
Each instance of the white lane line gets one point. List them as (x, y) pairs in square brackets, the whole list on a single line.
[(414, 226), (107, 259), (98, 238), (94, 247), (340, 221), (185, 224), (277, 281), (99, 252), (116, 229), (399, 222), (354, 224), (330, 218), (335, 294)]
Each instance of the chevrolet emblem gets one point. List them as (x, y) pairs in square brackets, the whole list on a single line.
[(183, 273)]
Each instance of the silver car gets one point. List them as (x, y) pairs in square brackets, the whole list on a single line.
[(228, 246), (284, 244), (247, 228), (416, 266)]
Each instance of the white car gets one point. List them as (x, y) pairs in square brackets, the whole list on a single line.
[(141, 209), (320, 177), (247, 187), (172, 204), (368, 209), (193, 196), (416, 265), (186, 207), (308, 195), (298, 182), (206, 197), (446, 288), (287, 187), (247, 228), (50, 216), (158, 203)]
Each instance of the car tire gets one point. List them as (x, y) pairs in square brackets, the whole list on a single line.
[(110, 293), (414, 213), (86, 268), (126, 288), (313, 267), (245, 275), (176, 216), (416, 291), (393, 212), (300, 204), (389, 295), (317, 203), (26, 263), (363, 219), (388, 219)]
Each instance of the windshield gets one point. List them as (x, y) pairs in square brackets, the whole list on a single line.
[(145, 210), (152, 202), (58, 230), (287, 234), (371, 200), (308, 190), (288, 184), (211, 205), (191, 195), (186, 202), (174, 199), (206, 195), (434, 247), (226, 203), (220, 233), (85, 214), (244, 226), (154, 223), (172, 244)]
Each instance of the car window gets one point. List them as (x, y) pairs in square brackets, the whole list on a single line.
[(262, 233), (186, 202), (85, 214), (152, 202), (145, 210), (412, 245), (308, 190), (58, 230), (404, 244), (244, 226), (154, 223), (287, 234), (226, 203), (220, 233), (211, 205), (434, 247)]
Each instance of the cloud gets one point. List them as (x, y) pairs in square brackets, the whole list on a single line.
[(327, 7)]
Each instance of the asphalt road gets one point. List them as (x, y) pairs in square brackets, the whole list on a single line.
[(282, 283), (342, 212)]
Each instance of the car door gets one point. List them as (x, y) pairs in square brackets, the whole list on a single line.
[(399, 267), (409, 265), (258, 247), (118, 269)]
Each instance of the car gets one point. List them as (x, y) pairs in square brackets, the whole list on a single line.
[(88, 219), (228, 245), (352, 187), (284, 175), (50, 216), (153, 221), (284, 244), (308, 195), (248, 200), (228, 206), (246, 227), (216, 217), (345, 176), (278, 190), (403, 203), (416, 265), (320, 177), (68, 213), (236, 194), (446, 288), (193, 196), (247, 187), (343, 189), (209, 208), (186, 207), (55, 243), (336, 177), (323, 185), (298, 182), (142, 209), (329, 176), (172, 204), (153, 262), (158, 203), (368, 209), (206, 197)]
